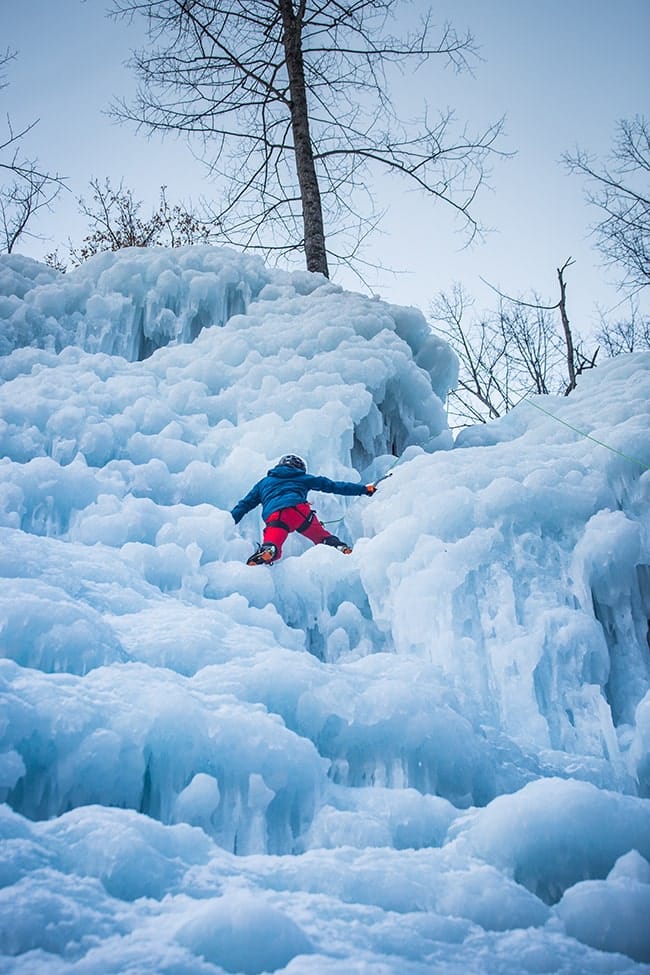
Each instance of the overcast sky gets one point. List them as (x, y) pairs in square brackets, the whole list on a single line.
[(563, 72)]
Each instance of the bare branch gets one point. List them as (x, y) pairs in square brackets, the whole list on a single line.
[(25, 186), (506, 354), (115, 222), (289, 103), (620, 189)]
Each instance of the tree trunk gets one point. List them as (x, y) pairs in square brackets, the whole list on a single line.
[(312, 211), (568, 337)]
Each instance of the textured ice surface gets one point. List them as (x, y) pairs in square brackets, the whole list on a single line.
[(433, 755)]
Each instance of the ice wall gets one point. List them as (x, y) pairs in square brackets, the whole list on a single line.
[(129, 305), (142, 460), (528, 557), (431, 755)]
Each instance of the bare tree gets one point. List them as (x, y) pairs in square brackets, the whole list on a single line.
[(289, 101), (25, 186), (115, 221), (530, 344), (522, 347), (504, 354), (628, 334), (620, 188), (536, 345), (484, 379)]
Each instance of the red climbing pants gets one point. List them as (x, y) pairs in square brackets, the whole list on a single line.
[(300, 519)]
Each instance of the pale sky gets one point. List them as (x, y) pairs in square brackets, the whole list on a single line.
[(563, 72)]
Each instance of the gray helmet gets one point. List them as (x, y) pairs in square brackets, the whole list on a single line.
[(292, 460)]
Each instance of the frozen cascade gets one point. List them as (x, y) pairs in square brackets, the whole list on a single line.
[(431, 755), (128, 307)]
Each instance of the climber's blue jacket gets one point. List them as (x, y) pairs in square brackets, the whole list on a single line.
[(284, 487)]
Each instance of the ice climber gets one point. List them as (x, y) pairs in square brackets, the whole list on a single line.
[(283, 496)]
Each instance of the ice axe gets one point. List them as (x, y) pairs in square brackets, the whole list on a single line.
[(376, 483)]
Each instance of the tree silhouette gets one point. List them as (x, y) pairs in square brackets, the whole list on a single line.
[(25, 185), (290, 103), (620, 189)]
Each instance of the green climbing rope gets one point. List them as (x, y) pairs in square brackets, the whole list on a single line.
[(634, 460)]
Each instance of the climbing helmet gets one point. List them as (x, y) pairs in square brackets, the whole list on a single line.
[(292, 460)]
